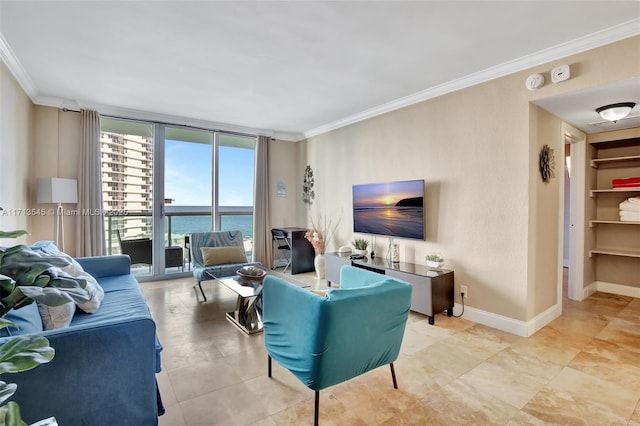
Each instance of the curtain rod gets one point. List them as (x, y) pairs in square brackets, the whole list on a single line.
[(230, 132)]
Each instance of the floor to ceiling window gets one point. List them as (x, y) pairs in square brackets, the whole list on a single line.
[(202, 181), (188, 171), (127, 179), (235, 177)]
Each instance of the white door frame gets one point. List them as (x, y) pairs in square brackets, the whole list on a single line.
[(577, 187)]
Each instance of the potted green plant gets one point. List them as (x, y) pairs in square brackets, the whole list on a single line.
[(20, 354), (360, 245), (24, 278), (435, 260)]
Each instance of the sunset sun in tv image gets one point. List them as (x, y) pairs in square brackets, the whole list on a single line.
[(394, 209)]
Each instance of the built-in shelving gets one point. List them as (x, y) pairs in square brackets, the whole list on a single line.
[(596, 192), (626, 161), (592, 223), (615, 244), (615, 252)]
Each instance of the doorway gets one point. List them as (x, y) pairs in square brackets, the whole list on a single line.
[(572, 213)]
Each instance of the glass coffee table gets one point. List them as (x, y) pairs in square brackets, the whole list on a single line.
[(246, 317)]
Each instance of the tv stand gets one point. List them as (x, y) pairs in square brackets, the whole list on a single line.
[(432, 290)]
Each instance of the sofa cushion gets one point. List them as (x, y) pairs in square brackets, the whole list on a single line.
[(213, 256), (26, 318)]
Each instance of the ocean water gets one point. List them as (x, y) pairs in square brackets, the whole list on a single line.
[(182, 225), (405, 222)]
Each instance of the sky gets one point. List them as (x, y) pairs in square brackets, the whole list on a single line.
[(386, 194), (188, 174)]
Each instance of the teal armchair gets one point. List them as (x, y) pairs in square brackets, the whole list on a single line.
[(327, 340)]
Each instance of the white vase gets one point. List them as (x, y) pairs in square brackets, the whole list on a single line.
[(434, 265), (318, 264)]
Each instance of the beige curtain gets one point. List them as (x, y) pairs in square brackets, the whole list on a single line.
[(90, 227), (261, 219)]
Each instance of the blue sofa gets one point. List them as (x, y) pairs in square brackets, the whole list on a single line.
[(103, 372), (326, 340)]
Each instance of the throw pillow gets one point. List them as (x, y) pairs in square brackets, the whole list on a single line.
[(74, 270), (96, 292), (54, 317), (46, 247), (212, 256)]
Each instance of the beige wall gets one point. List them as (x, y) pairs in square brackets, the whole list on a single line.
[(56, 142), (477, 150), (16, 123), (545, 238), (284, 158)]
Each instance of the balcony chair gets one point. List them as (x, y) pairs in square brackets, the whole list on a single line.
[(140, 251), (224, 255), (326, 340), (284, 246)]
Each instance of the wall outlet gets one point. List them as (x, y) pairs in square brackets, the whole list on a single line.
[(464, 289)]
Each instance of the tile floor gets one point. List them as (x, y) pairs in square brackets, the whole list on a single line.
[(582, 369)]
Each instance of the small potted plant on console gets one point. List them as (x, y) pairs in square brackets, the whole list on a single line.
[(360, 245), (435, 261)]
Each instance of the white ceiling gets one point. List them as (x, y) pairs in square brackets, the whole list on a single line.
[(286, 68), (579, 108)]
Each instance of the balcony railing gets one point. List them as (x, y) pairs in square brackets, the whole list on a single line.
[(180, 221)]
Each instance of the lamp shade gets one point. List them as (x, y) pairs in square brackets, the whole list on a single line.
[(57, 190), (615, 112)]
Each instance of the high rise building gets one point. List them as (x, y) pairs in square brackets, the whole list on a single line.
[(127, 179)]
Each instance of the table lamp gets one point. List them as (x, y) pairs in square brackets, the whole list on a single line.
[(57, 191)]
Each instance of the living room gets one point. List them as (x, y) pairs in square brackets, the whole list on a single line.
[(476, 147)]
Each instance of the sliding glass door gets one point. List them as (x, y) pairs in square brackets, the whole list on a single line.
[(161, 183), (127, 149), (208, 186), (188, 194), (235, 180)]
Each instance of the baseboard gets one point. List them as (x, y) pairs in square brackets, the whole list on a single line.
[(589, 290), (527, 328), (622, 290), (544, 318), (510, 325)]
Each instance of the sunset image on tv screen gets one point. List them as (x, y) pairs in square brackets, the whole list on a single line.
[(395, 209)]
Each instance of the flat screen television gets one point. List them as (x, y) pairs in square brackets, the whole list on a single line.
[(394, 209)]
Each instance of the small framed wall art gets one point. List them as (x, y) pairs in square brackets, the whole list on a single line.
[(547, 163)]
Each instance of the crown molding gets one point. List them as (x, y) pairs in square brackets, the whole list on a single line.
[(134, 114), (19, 73), (591, 41), (597, 39), (15, 67)]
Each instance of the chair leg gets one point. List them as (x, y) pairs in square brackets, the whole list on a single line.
[(201, 291), (284, 271), (317, 409), (393, 376), (269, 367)]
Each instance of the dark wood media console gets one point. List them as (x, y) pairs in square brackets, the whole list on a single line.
[(432, 290)]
